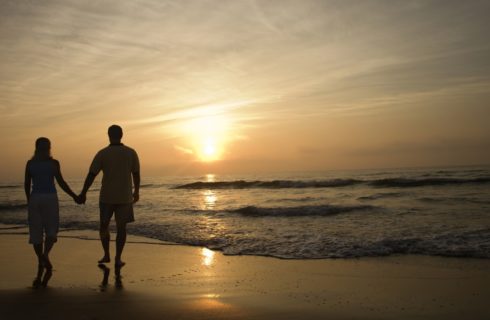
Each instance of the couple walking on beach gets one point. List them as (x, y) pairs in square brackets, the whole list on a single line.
[(120, 167)]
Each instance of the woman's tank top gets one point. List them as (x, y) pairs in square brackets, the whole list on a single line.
[(42, 173)]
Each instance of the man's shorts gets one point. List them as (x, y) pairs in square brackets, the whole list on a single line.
[(123, 212), (43, 216)]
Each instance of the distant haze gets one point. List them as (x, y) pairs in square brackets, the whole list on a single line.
[(246, 86)]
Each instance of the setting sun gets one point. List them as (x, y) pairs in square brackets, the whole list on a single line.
[(206, 136), (214, 130), (206, 132), (208, 150)]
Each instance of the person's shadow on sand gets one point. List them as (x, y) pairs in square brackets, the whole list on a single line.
[(41, 281), (105, 279)]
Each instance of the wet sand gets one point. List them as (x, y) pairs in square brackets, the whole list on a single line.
[(163, 281)]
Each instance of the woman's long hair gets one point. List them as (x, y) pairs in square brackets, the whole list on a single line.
[(43, 149)]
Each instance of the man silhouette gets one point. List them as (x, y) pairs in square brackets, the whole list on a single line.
[(119, 164)]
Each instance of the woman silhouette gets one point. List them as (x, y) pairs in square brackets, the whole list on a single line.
[(43, 209)]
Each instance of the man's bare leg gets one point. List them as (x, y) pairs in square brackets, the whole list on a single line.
[(120, 242), (105, 239)]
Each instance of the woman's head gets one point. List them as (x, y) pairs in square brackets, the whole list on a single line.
[(43, 149)]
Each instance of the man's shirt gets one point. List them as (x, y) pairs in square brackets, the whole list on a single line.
[(117, 163)]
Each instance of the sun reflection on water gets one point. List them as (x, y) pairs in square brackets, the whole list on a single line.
[(210, 199)]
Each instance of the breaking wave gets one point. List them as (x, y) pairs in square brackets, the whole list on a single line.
[(301, 211), (12, 206), (274, 184), (301, 184), (382, 196), (10, 186), (407, 183)]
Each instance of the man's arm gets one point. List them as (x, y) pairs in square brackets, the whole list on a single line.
[(27, 182), (135, 171), (93, 171), (136, 181), (88, 182)]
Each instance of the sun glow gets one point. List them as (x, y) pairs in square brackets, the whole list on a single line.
[(208, 137), (207, 131), (209, 151)]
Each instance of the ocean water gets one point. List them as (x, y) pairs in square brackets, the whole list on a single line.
[(430, 211)]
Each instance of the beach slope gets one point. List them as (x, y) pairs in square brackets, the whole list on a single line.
[(164, 281)]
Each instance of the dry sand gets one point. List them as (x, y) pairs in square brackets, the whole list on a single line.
[(163, 281)]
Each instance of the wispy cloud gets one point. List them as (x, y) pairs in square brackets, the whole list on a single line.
[(184, 150), (166, 54)]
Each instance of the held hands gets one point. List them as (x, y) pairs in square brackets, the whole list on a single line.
[(81, 198), (77, 199)]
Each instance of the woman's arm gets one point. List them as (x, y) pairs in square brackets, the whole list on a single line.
[(61, 182), (27, 181)]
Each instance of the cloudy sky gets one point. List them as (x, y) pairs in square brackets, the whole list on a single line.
[(247, 85)]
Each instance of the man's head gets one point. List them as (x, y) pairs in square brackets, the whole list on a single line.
[(115, 133)]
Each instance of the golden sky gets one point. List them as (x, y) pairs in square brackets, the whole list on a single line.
[(246, 86)]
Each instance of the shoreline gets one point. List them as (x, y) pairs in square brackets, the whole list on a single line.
[(197, 283), (90, 234)]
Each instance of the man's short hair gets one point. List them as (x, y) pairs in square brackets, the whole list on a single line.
[(115, 132)]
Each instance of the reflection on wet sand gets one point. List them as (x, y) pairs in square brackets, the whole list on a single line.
[(105, 280), (210, 302), (106, 271), (118, 280), (207, 257)]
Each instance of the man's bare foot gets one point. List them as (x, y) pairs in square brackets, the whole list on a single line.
[(105, 259)]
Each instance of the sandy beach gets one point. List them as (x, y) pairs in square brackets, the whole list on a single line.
[(166, 281)]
